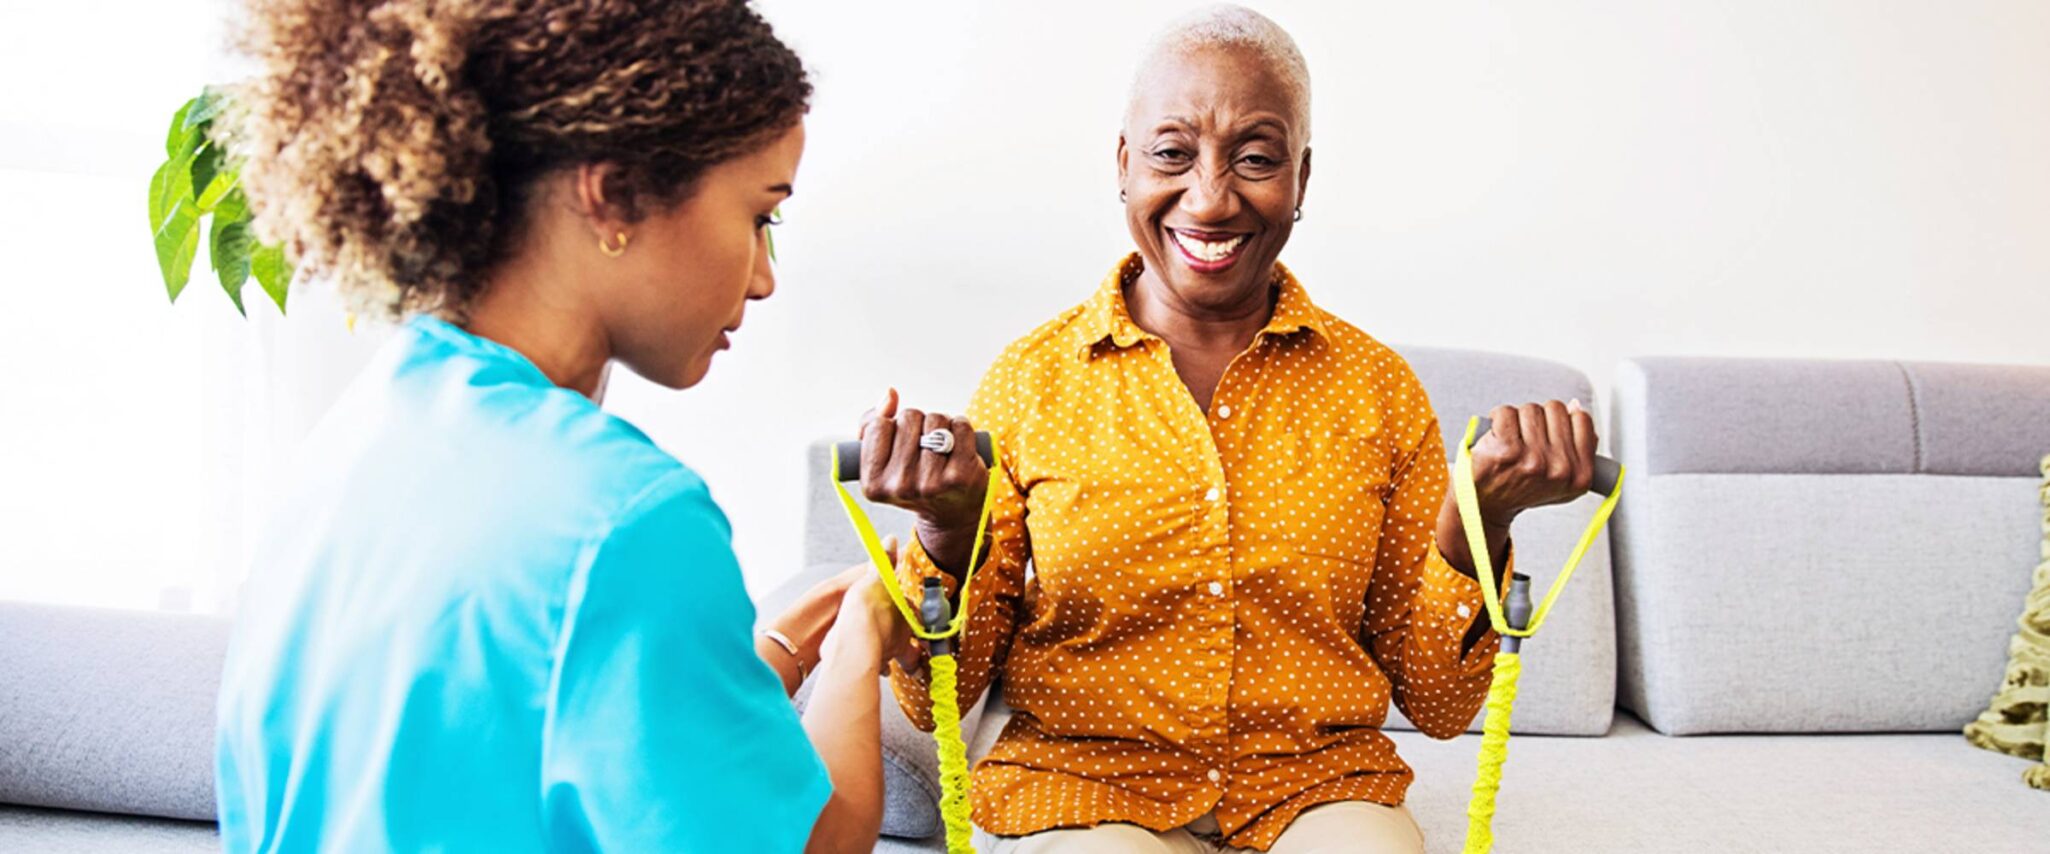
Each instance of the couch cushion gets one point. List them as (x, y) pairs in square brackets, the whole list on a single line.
[(48, 831), (109, 710), (1819, 603), (1980, 419), (1821, 546), (1683, 415), (1638, 791)]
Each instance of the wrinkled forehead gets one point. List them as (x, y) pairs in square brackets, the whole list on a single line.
[(1217, 87)]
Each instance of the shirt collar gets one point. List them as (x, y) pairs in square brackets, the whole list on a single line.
[(1105, 316)]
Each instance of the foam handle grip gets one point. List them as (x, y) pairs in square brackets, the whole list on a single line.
[(850, 456), (1606, 470)]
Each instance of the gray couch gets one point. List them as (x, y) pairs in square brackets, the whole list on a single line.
[(1812, 578)]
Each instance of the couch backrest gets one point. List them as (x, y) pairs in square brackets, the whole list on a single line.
[(1809, 546), (111, 711)]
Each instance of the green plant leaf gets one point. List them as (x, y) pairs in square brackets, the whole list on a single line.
[(206, 172), (272, 272), (174, 143), (205, 108), (162, 195), (229, 245), (177, 241), (182, 140), (224, 183)]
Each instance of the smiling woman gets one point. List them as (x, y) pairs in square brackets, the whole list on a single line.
[(1234, 508)]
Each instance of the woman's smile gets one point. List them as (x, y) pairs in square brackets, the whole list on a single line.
[(1208, 251)]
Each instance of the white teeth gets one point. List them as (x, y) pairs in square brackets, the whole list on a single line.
[(1206, 250)]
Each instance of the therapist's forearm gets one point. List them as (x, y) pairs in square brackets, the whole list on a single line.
[(844, 721)]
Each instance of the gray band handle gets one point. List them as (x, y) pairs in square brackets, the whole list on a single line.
[(1516, 610), (1606, 471), (850, 456)]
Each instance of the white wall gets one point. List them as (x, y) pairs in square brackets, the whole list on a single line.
[(1580, 181)]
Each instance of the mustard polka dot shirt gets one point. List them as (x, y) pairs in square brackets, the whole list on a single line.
[(1208, 611)]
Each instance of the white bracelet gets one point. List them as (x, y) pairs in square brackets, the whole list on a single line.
[(788, 646)]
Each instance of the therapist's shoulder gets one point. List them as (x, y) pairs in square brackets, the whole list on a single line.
[(632, 476), (605, 466)]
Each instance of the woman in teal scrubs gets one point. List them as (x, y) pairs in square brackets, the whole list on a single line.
[(488, 615)]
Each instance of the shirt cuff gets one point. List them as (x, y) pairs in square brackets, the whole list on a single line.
[(914, 566), (1453, 599)]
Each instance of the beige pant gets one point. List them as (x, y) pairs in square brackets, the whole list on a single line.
[(1341, 826)]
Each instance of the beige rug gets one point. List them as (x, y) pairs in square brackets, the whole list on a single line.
[(2017, 723)]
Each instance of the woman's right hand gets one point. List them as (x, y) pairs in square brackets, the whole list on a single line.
[(944, 490)]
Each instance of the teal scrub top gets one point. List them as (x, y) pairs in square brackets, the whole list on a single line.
[(490, 617)]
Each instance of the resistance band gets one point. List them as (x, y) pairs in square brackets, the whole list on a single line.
[(933, 623), (1608, 480)]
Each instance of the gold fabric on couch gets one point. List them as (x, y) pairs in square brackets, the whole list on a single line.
[(2018, 720)]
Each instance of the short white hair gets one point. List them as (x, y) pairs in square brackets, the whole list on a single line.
[(1230, 25)]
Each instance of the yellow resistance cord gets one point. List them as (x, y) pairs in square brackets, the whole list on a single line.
[(1480, 811), (942, 669)]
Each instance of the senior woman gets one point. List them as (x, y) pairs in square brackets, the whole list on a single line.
[(489, 615), (1233, 503)]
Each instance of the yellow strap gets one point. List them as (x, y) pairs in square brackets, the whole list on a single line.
[(946, 717), (946, 701), (873, 545), (1477, 541), (1480, 811)]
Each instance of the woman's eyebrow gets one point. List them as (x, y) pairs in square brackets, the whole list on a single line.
[(1263, 123)]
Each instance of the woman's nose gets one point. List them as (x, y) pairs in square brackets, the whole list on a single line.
[(1210, 198)]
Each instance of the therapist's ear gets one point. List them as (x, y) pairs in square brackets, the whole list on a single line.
[(594, 195)]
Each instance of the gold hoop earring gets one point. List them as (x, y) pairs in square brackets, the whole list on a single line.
[(610, 250)]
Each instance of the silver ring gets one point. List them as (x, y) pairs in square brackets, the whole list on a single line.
[(938, 441)]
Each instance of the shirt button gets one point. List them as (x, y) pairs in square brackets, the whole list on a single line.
[(1214, 776), (1223, 411), (1217, 589), (1465, 611), (1211, 495)]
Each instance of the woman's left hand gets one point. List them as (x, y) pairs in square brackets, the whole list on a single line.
[(1536, 454)]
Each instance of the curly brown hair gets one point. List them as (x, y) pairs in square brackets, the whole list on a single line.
[(393, 145)]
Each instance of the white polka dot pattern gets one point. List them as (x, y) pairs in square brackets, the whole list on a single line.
[(1198, 611)]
